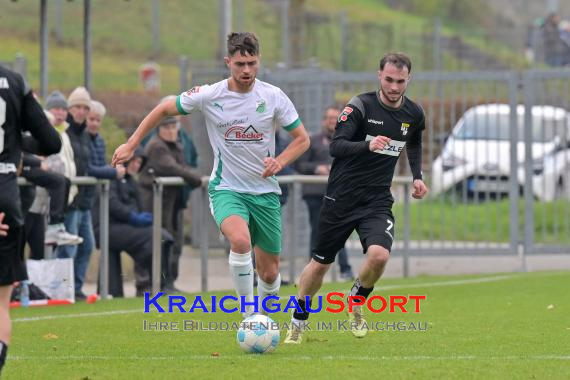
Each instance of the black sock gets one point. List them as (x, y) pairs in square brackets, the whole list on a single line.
[(358, 290), (305, 314), (3, 354)]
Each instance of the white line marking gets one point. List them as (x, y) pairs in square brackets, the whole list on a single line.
[(387, 287), (83, 358), (82, 315)]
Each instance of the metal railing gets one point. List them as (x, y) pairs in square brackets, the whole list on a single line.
[(294, 181)]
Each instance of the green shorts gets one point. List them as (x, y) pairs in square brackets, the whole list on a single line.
[(262, 213)]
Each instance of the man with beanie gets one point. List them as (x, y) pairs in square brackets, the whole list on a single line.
[(50, 194), (165, 158), (191, 158), (64, 161), (56, 104), (78, 217)]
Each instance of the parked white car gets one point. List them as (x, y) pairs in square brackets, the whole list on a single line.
[(475, 159)]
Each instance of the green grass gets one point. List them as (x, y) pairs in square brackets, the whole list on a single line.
[(482, 221), (497, 327)]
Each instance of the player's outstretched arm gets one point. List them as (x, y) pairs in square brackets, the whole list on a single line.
[(124, 152), (294, 150)]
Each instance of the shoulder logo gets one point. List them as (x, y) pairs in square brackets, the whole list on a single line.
[(193, 90), (404, 128), (260, 106), (4, 83), (344, 114), (219, 106)]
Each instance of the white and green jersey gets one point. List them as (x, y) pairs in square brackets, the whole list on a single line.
[(241, 128)]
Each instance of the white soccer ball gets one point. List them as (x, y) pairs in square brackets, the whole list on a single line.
[(258, 334)]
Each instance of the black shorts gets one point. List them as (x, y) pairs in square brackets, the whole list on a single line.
[(12, 267), (374, 224)]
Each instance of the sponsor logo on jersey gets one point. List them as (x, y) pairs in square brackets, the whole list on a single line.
[(219, 106), (376, 122), (230, 123), (260, 106), (344, 114), (239, 133), (193, 90), (404, 128), (393, 148)]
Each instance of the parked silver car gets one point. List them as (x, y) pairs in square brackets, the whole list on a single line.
[(475, 159)]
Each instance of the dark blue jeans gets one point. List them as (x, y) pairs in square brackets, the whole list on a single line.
[(78, 222), (314, 204)]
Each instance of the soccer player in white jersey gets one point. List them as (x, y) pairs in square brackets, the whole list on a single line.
[(242, 114)]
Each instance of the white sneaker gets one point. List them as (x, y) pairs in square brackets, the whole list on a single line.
[(295, 333), (56, 234), (357, 321)]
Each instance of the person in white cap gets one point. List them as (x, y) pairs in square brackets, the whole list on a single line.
[(78, 216)]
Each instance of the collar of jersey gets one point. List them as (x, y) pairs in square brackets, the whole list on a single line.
[(241, 93)]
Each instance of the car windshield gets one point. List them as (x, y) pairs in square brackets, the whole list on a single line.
[(492, 126)]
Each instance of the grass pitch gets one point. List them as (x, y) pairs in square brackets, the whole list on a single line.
[(492, 326)]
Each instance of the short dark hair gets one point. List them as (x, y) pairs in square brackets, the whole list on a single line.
[(397, 59), (245, 42)]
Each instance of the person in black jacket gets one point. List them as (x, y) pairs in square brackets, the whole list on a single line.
[(130, 230), (78, 216), (317, 161), (165, 158), (19, 111), (371, 132)]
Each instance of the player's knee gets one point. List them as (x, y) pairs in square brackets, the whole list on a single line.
[(240, 243), (378, 256), (318, 268), (268, 275)]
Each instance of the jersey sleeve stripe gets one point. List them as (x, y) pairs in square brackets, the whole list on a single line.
[(179, 106), (293, 125)]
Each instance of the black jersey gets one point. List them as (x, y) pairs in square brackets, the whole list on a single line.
[(19, 112), (359, 174)]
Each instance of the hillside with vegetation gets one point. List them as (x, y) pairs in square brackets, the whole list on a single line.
[(122, 36), (334, 34)]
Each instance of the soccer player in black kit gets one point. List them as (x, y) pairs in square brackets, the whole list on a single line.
[(19, 112), (371, 132)]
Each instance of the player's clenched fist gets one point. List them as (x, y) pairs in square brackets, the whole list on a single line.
[(272, 167), (420, 189), (378, 143)]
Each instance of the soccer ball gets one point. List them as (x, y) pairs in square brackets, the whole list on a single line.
[(258, 334)]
